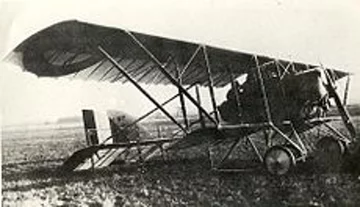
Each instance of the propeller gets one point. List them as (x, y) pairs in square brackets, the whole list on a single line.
[(341, 107)]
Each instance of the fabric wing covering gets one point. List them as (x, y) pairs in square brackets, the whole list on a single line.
[(70, 48)]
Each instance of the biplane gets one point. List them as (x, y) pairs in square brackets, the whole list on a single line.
[(278, 101)]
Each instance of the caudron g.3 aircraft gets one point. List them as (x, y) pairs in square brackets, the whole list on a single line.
[(278, 102)]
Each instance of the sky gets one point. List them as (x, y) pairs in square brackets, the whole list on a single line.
[(310, 31)]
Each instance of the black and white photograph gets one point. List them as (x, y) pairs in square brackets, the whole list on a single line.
[(180, 103)]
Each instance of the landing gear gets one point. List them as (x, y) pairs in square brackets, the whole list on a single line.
[(329, 154), (278, 160)]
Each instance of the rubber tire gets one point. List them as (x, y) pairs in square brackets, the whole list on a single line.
[(329, 154), (278, 160)]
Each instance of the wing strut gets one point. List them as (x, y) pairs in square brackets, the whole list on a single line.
[(170, 78), (190, 60), (182, 100), (341, 108), (346, 92), (263, 91), (198, 97), (211, 83), (123, 71)]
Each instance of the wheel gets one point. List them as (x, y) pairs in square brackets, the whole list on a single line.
[(278, 160), (329, 154)]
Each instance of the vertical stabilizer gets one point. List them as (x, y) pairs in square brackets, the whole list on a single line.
[(90, 127)]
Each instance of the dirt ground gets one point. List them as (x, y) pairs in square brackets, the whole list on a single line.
[(31, 177)]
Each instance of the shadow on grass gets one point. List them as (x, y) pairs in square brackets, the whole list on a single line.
[(42, 174), (39, 175)]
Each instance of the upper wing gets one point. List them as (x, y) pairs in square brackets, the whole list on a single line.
[(71, 48)]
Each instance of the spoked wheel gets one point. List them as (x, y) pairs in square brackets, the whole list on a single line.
[(278, 160), (329, 154)]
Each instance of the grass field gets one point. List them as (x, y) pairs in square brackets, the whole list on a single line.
[(31, 158)]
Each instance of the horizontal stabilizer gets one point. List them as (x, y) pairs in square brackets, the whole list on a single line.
[(92, 157)]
